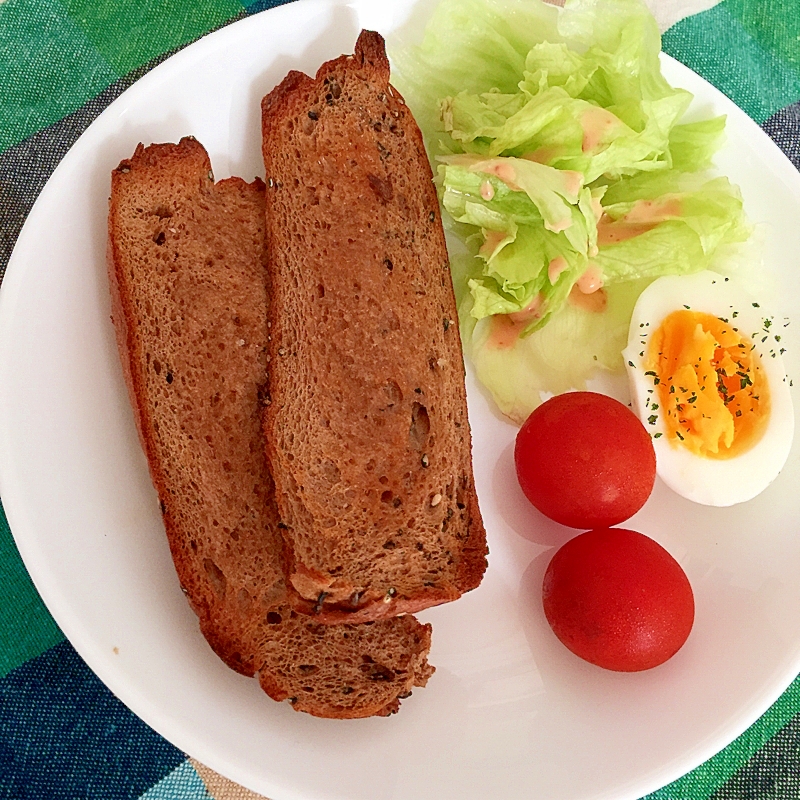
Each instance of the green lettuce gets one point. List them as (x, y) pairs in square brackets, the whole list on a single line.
[(560, 154)]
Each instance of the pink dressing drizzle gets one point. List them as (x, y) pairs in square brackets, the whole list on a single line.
[(506, 328), (544, 155), (588, 292), (643, 217), (596, 123), (555, 268), (530, 312), (504, 332), (591, 280), (595, 302), (503, 170), (559, 226), (646, 211), (492, 240), (487, 190), (573, 181)]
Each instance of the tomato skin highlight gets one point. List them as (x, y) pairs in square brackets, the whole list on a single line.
[(617, 599), (585, 460)]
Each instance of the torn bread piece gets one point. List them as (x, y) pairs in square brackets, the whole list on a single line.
[(189, 307), (366, 430)]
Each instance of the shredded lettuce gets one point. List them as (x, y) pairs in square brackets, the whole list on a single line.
[(561, 158)]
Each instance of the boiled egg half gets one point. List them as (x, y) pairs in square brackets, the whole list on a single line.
[(708, 383)]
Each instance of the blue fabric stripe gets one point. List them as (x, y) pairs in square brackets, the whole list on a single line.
[(64, 736), (784, 128), (263, 5), (183, 783)]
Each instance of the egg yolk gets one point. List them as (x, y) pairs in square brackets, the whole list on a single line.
[(713, 391)]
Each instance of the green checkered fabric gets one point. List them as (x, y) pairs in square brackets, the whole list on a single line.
[(62, 734)]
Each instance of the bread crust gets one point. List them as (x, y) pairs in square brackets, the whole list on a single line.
[(185, 261), (367, 430)]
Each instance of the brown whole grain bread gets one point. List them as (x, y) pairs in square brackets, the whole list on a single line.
[(366, 429), (189, 307)]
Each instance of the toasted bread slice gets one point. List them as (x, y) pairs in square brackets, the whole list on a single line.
[(189, 307), (367, 428)]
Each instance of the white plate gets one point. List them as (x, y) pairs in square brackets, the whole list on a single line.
[(510, 713)]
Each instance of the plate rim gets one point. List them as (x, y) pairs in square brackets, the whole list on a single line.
[(14, 508)]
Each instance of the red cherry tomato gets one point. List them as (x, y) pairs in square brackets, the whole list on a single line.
[(585, 460), (618, 599)]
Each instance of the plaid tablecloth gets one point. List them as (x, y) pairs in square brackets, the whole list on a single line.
[(63, 736)]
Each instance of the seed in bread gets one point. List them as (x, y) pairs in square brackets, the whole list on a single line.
[(367, 428), (189, 308)]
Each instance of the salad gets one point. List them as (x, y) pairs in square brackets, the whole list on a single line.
[(570, 176)]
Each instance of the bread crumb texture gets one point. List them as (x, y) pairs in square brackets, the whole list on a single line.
[(367, 427), (189, 298)]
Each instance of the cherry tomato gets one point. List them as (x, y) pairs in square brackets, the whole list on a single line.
[(585, 460), (618, 599)]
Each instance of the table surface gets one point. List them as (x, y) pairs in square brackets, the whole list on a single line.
[(62, 733)]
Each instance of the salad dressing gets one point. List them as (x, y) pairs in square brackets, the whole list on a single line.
[(555, 268), (660, 210), (591, 280), (544, 155), (504, 170), (506, 328), (596, 123), (643, 217), (492, 240), (487, 191), (573, 181), (596, 302)]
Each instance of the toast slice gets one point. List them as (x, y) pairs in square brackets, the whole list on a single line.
[(366, 430), (189, 307)]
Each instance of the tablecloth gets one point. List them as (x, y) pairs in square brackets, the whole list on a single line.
[(63, 735)]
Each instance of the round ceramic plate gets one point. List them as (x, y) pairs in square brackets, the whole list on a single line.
[(509, 713)]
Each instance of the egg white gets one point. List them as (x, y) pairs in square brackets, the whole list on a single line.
[(713, 482)]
